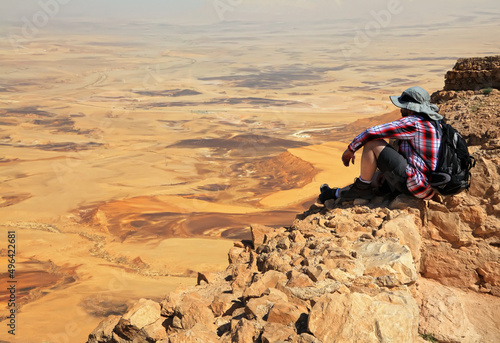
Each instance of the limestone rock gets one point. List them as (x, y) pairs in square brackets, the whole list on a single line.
[(262, 234), (451, 228), (451, 267), (474, 216), (345, 263), (143, 313), (482, 312), (490, 271), (299, 279), (125, 333), (224, 303), (307, 338), (406, 231), (319, 289), (194, 310), (284, 313), (269, 279), (444, 315), (197, 334), (474, 73), (245, 331), (169, 303), (258, 308), (238, 255), (275, 261), (358, 317), (390, 263), (104, 331), (242, 273), (316, 273), (274, 332), (155, 331)]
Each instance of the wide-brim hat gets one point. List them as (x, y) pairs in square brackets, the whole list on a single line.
[(417, 99)]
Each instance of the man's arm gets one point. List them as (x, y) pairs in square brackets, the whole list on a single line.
[(403, 128)]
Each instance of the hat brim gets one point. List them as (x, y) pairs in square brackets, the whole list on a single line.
[(395, 100), (427, 109)]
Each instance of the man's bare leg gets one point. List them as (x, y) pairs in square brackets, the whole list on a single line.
[(371, 151)]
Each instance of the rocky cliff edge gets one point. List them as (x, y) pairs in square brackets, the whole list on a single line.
[(398, 270)]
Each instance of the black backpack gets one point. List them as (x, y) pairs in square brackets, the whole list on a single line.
[(452, 174)]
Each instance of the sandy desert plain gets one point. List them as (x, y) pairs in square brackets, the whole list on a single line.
[(133, 155)]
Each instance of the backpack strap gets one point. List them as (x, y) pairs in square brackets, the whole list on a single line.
[(437, 125)]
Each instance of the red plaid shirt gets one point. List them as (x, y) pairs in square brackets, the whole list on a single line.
[(418, 139)]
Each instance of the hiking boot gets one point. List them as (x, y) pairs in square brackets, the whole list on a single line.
[(358, 190), (326, 193)]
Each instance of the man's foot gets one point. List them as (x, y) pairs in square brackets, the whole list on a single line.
[(358, 190), (326, 193)]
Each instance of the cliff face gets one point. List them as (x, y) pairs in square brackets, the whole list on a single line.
[(474, 74), (391, 270)]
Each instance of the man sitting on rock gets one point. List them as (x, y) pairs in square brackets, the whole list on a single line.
[(405, 170)]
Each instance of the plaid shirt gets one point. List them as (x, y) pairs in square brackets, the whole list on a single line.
[(418, 139)]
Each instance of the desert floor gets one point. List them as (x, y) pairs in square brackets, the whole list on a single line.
[(131, 157)]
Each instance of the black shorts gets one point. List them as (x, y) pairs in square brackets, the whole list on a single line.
[(393, 166)]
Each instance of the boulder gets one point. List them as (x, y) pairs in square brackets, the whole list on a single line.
[(242, 274), (443, 315), (275, 261), (490, 272), (403, 228), (451, 267), (262, 234), (244, 330), (269, 279), (274, 332), (359, 317), (390, 263), (224, 304), (284, 313), (104, 331), (194, 310), (346, 264), (155, 331), (169, 303), (298, 279), (451, 228), (143, 313), (258, 308), (474, 216)]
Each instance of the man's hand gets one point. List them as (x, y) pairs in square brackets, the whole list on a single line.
[(348, 156)]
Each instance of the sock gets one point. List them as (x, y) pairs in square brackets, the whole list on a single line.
[(364, 181)]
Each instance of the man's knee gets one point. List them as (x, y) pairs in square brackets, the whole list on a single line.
[(376, 146)]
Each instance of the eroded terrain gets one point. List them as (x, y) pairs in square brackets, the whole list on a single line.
[(129, 162)]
